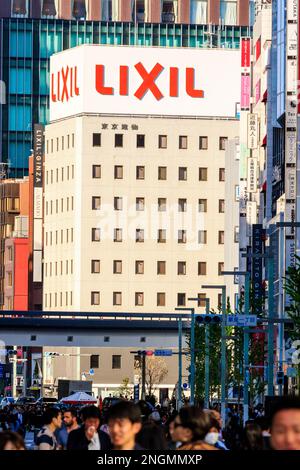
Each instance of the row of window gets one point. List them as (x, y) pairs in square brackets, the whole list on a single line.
[(161, 236), (62, 174), (161, 204), (139, 299), (115, 361), (161, 267), (162, 173), (60, 205), (58, 299), (162, 141), (56, 268), (60, 143), (57, 236)]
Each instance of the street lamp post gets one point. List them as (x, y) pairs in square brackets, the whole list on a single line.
[(223, 350), (192, 342), (246, 339), (207, 360)]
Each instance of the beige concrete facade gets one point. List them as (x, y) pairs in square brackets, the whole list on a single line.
[(79, 146)]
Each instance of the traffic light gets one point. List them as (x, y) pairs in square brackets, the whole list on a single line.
[(209, 319), (145, 353)]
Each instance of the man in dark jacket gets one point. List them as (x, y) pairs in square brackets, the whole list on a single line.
[(89, 436)]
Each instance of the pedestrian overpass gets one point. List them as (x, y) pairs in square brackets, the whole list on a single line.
[(86, 329)]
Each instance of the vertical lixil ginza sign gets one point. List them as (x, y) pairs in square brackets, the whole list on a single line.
[(38, 202)]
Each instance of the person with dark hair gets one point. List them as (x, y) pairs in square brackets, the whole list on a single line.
[(264, 424), (124, 423), (190, 428), (152, 437), (11, 441), (285, 424), (69, 424), (252, 438), (89, 436), (52, 421)]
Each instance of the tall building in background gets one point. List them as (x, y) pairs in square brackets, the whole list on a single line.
[(135, 204), (31, 31)]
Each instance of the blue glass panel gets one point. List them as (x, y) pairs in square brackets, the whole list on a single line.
[(18, 154), (21, 44), (20, 81), (19, 118)]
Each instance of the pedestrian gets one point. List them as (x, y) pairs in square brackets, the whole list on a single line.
[(46, 439), (69, 424), (124, 422), (89, 436), (252, 438), (11, 441), (213, 435), (152, 437), (190, 428), (285, 424)]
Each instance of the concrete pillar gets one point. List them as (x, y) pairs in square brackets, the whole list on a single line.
[(243, 13), (94, 10), (154, 11), (213, 11), (125, 10), (65, 9), (5, 9), (184, 8), (36, 8)]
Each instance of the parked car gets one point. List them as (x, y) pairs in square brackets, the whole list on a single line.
[(46, 401), (7, 401)]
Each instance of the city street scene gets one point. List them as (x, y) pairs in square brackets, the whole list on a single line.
[(149, 229)]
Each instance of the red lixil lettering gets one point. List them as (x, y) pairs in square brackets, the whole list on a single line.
[(103, 90), (53, 95), (190, 84), (124, 77), (174, 77), (149, 81)]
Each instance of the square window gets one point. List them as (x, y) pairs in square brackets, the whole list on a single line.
[(202, 237), (221, 237), (140, 141), (116, 362), (117, 268), (202, 205), (140, 204), (95, 298), (183, 142), (162, 141), (95, 266), (181, 268), (96, 140), (118, 203), (162, 236), (182, 205), (221, 174), (139, 235), (139, 267), (161, 299), (118, 172), (140, 172), (220, 268), (203, 143), (182, 173), (117, 298), (118, 235), (222, 143), (162, 204), (162, 173), (181, 236), (96, 203), (202, 174), (181, 299), (139, 298), (201, 300), (96, 171), (161, 267), (201, 268), (94, 361), (118, 140), (96, 234), (221, 206)]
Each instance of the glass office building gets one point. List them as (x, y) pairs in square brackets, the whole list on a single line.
[(27, 44)]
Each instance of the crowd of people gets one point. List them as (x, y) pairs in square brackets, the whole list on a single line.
[(133, 426)]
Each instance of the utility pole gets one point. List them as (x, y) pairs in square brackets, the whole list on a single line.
[(207, 365), (192, 347), (143, 396)]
